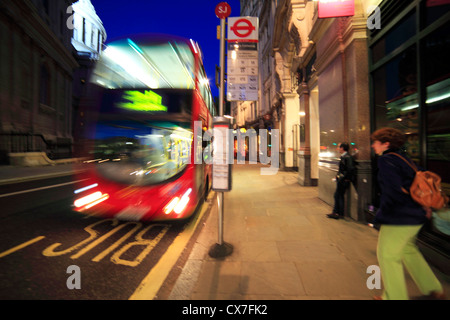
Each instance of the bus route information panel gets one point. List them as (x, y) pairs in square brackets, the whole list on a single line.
[(221, 168)]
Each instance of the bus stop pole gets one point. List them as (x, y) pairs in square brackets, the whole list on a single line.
[(221, 210), (222, 66), (221, 249), (221, 97)]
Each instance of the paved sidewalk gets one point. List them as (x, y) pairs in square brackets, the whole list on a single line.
[(284, 247)]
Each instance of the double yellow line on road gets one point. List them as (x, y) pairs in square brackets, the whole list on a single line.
[(149, 287)]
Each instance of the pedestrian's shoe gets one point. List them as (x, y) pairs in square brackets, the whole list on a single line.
[(437, 295), (333, 215)]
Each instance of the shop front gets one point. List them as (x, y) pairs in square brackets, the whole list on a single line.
[(410, 90)]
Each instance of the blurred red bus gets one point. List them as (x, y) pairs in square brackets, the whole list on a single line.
[(144, 96)]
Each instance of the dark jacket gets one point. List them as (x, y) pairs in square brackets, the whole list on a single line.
[(397, 207), (347, 168)]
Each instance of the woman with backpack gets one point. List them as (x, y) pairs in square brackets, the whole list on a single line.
[(401, 219)]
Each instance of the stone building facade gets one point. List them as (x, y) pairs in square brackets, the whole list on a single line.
[(88, 40), (43, 69), (36, 72), (314, 88)]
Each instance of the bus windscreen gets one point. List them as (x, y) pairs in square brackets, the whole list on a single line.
[(140, 153)]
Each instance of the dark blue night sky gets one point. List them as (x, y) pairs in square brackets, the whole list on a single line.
[(190, 19)]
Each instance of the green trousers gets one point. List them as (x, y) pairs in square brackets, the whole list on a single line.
[(397, 245)]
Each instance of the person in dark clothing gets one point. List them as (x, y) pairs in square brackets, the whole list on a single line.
[(343, 179), (401, 219)]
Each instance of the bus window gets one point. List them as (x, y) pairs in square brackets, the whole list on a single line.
[(133, 153)]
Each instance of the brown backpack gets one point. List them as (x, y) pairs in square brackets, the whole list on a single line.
[(426, 188)]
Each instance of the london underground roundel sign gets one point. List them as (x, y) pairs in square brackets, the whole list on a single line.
[(243, 29)]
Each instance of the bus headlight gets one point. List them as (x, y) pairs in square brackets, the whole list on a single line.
[(90, 200), (177, 204)]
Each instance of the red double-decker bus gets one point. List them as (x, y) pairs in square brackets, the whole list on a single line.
[(146, 94)]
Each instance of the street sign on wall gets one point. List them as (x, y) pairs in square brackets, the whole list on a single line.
[(242, 62)]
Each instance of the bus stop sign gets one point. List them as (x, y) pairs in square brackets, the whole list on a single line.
[(223, 10), (221, 168)]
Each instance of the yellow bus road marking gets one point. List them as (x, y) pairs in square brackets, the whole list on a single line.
[(151, 284), (50, 251), (148, 243), (103, 238), (94, 239), (21, 246)]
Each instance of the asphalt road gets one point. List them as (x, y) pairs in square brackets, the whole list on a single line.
[(47, 251)]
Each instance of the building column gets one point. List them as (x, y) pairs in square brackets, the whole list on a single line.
[(290, 119), (304, 154)]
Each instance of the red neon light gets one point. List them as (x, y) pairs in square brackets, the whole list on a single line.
[(434, 3), (336, 8)]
